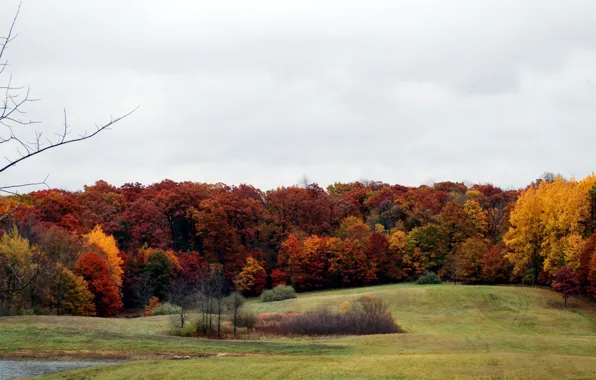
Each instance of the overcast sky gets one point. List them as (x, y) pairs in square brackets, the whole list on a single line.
[(264, 92)]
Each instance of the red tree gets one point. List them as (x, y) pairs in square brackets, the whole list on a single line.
[(94, 270), (565, 282)]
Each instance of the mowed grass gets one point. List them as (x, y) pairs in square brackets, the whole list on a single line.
[(454, 332), (148, 335), (413, 367)]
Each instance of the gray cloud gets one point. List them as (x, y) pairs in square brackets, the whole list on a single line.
[(266, 91)]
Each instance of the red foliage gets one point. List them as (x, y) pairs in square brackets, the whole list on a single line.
[(153, 303), (278, 277), (94, 270), (565, 282), (496, 268)]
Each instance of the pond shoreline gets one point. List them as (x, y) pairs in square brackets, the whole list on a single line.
[(117, 356), (12, 369)]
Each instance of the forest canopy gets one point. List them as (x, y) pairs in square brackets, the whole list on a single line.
[(96, 251)]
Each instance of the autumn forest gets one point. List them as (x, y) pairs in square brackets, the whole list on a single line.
[(107, 248)]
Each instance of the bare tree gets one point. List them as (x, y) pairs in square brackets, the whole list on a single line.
[(235, 302), (15, 134), (19, 142), (217, 292), (182, 294), (143, 289), (211, 300)]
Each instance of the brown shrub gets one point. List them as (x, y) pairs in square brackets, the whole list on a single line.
[(368, 315)]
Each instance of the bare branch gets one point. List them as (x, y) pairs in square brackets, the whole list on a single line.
[(80, 138)]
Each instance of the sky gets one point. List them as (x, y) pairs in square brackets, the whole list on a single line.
[(268, 91)]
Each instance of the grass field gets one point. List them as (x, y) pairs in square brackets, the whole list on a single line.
[(454, 332)]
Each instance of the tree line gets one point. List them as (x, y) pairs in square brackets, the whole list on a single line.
[(97, 251)]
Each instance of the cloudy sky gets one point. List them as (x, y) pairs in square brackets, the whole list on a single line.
[(264, 92)]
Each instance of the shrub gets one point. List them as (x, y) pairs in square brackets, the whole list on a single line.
[(280, 292), (153, 303), (368, 315), (247, 318), (428, 278), (190, 329), (166, 309)]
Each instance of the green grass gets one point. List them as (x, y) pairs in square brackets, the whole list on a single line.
[(454, 332), (147, 335)]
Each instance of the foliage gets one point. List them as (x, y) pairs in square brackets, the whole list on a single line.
[(159, 272), (428, 278), (150, 307), (94, 269), (252, 278), (348, 235), (71, 294), (279, 293), (108, 248), (17, 269), (166, 308), (565, 283)]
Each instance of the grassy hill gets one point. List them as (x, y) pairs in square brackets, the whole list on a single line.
[(454, 332)]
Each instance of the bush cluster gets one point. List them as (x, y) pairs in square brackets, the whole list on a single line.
[(247, 319), (368, 315), (166, 309), (280, 292), (428, 278)]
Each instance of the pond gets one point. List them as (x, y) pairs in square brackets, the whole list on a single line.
[(10, 369)]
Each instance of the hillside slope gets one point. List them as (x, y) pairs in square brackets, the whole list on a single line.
[(454, 332)]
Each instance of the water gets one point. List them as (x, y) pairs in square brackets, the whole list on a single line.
[(10, 369)]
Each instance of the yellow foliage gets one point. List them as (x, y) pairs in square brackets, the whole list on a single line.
[(473, 194), (247, 279), (379, 228), (572, 249), (549, 221), (524, 235), (70, 291), (398, 241), (476, 217), (17, 265), (109, 249)]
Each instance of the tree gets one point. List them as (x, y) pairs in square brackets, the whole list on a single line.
[(565, 282), (94, 269), (109, 250), (18, 268), (15, 133), (471, 255), (159, 272), (476, 218), (525, 236), (71, 294), (252, 278), (495, 266), (235, 301), (182, 294)]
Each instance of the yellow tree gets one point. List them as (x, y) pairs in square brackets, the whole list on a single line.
[(108, 248), (252, 278), (565, 211), (17, 269), (548, 223), (70, 293), (524, 237), (476, 218)]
